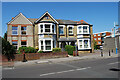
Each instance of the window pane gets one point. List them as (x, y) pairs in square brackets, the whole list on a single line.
[(85, 43), (53, 28), (41, 47), (85, 29), (47, 28), (70, 30), (79, 28), (23, 28), (80, 41), (14, 32), (41, 27), (23, 43), (14, 28), (48, 47), (48, 42), (23, 32), (41, 42), (61, 30)]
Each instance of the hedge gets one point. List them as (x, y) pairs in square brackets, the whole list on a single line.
[(27, 49), (70, 49), (40, 51), (56, 50)]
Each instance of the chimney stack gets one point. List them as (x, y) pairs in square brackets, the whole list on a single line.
[(12, 18)]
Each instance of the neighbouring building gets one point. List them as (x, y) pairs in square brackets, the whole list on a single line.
[(47, 32), (99, 38), (112, 42)]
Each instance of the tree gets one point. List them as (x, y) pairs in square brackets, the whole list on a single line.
[(7, 49), (95, 44)]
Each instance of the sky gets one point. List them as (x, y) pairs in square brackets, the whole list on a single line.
[(101, 15)]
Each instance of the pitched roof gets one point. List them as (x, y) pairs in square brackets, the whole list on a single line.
[(66, 21), (44, 15), (18, 16), (82, 22), (32, 20)]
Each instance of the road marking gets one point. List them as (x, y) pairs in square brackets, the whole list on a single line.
[(64, 71), (113, 63), (46, 74)]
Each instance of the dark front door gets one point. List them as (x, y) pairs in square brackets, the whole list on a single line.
[(63, 46)]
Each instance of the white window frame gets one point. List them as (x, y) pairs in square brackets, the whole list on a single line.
[(15, 30), (63, 26), (72, 28), (39, 29), (89, 46), (88, 32), (44, 45)]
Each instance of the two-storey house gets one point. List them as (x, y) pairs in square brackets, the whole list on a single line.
[(47, 32)]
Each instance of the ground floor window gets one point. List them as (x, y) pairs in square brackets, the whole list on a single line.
[(15, 43), (23, 43), (83, 43), (46, 45)]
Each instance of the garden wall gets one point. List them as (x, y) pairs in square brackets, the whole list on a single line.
[(34, 56)]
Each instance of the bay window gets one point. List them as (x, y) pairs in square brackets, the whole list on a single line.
[(46, 44), (46, 28), (83, 29), (83, 44)]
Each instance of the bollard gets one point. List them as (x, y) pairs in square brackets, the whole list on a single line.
[(109, 53), (112, 50), (24, 59), (101, 54)]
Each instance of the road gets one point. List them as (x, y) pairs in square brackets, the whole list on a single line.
[(89, 68)]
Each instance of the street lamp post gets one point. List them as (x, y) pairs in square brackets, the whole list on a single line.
[(115, 38)]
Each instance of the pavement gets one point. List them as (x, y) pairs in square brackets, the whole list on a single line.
[(70, 58)]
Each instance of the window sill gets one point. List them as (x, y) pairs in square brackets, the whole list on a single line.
[(71, 34), (62, 34)]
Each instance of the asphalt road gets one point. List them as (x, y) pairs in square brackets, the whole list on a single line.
[(90, 68)]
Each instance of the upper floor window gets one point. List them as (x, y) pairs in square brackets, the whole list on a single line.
[(94, 38), (99, 38), (47, 27), (80, 29), (23, 30), (99, 34), (14, 30), (61, 31), (94, 35), (52, 28), (85, 29), (70, 30), (41, 28)]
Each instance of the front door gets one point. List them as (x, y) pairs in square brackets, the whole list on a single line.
[(63, 46)]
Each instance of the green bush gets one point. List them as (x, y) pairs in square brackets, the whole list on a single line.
[(40, 51), (27, 49), (56, 50), (70, 49)]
